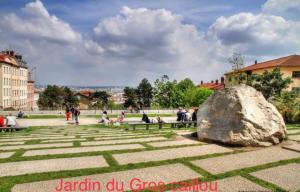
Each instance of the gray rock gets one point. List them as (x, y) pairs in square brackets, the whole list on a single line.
[(240, 115)]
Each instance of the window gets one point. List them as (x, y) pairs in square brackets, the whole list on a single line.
[(296, 74)]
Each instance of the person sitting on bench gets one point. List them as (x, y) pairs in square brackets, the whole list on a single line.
[(145, 118), (11, 121)]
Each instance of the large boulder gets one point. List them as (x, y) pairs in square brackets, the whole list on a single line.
[(240, 115)]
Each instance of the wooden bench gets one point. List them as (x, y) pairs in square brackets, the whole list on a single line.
[(160, 125), (11, 129)]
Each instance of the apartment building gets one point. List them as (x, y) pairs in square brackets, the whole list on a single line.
[(289, 67), (13, 81)]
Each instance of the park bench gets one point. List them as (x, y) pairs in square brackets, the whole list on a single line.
[(174, 124), (11, 129)]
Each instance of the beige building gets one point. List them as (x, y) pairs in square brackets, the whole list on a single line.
[(289, 67), (13, 81)]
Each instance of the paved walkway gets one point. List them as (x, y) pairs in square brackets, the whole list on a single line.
[(140, 160), (82, 121)]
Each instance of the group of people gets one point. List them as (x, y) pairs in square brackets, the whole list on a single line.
[(74, 113), (146, 119), (185, 115), (8, 121), (105, 119)]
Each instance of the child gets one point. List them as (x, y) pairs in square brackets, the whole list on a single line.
[(68, 114)]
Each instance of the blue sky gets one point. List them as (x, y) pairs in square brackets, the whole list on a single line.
[(84, 15), (114, 42)]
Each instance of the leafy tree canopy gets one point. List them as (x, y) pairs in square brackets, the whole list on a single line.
[(270, 83)]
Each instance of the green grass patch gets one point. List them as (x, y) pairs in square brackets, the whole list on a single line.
[(31, 142)]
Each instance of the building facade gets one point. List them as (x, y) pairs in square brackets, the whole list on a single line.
[(289, 67), (13, 81)]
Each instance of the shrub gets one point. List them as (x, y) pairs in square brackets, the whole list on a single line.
[(288, 104)]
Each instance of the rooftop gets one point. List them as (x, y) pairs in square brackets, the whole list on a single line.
[(288, 61), (9, 57)]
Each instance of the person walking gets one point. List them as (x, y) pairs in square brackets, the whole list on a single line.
[(72, 112), (76, 115)]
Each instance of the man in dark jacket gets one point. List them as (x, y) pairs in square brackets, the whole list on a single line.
[(76, 114)]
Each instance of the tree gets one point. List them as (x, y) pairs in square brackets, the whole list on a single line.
[(185, 84), (270, 83), (236, 61), (130, 95), (69, 98), (55, 97), (51, 97), (144, 93), (195, 96), (100, 99)]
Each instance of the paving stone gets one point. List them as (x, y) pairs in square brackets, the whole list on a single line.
[(174, 143), (164, 173), (48, 165), (36, 138), (12, 143), (294, 137), (36, 146), (294, 147), (232, 184), (286, 176), (122, 141), (82, 149), (61, 140), (232, 162), (114, 135), (238, 184), (96, 138), (165, 154), (6, 155)]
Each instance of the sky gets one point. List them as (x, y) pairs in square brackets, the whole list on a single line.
[(119, 42)]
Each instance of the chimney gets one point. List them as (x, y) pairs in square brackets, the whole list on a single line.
[(19, 57), (222, 80), (217, 82), (255, 62), (201, 83), (12, 53)]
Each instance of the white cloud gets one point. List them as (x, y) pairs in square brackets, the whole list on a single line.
[(261, 35), (280, 6), (92, 47), (155, 42), (138, 43), (37, 23)]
